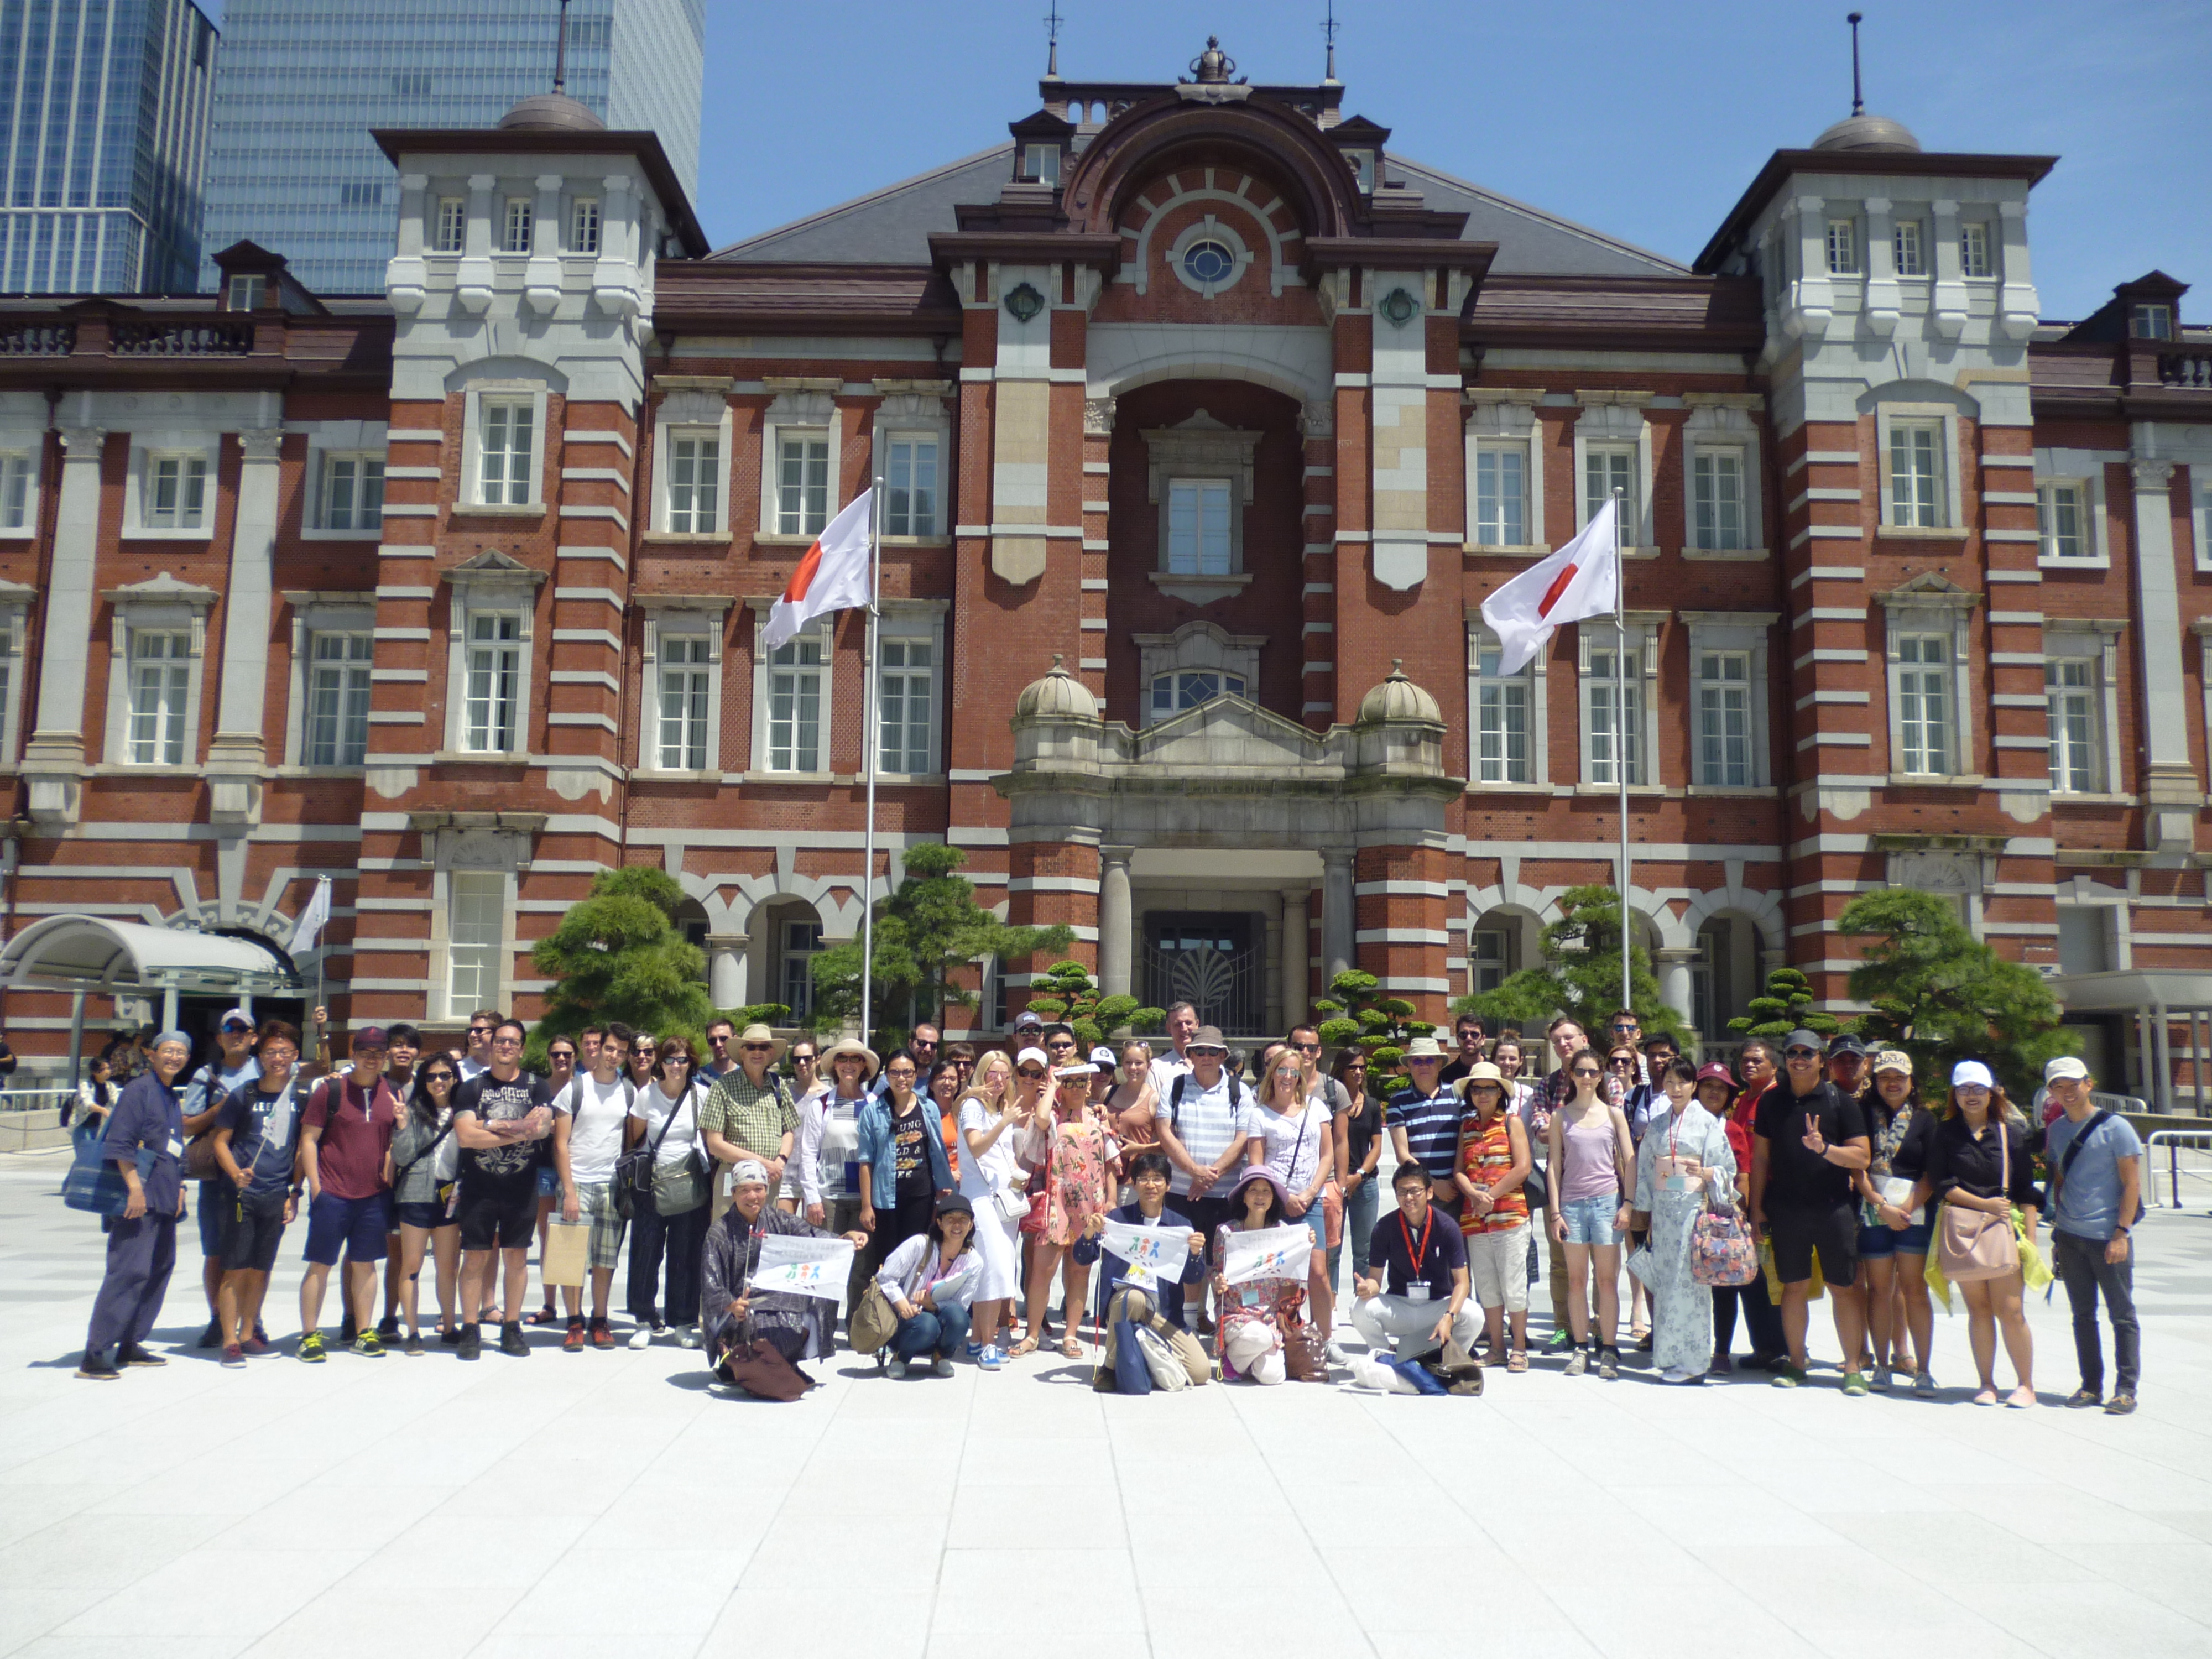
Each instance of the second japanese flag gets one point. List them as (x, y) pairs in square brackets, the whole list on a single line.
[(1582, 580), (833, 576)]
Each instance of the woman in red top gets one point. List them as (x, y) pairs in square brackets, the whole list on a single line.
[(1493, 1162)]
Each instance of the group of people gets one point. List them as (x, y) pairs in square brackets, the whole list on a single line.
[(979, 1187)]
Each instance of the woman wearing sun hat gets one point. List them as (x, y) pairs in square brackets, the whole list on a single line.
[(830, 1146)]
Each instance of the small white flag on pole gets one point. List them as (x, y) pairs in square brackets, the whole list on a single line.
[(312, 919), (833, 576), (1578, 581)]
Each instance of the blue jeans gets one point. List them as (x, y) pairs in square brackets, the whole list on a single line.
[(1590, 1220), (1359, 1210), (938, 1331)]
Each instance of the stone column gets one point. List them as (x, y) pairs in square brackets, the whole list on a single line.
[(239, 751), (1297, 954), (1272, 952), (726, 970), (1673, 963), (54, 761), (1337, 917), (1116, 921), (2170, 787)]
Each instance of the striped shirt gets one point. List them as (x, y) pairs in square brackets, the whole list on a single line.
[(1431, 1127), (1205, 1121)]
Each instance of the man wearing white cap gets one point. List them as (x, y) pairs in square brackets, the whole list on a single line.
[(205, 1095), (2095, 1159)]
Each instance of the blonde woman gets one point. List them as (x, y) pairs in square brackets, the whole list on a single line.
[(1292, 1135), (989, 1133), (1130, 1105)]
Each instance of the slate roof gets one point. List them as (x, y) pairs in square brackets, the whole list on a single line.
[(893, 225)]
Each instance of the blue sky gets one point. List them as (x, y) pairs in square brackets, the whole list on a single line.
[(1644, 120)]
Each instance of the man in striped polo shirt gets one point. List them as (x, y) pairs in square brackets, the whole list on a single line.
[(1424, 1121)]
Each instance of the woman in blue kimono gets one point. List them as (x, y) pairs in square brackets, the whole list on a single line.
[(1684, 1157)]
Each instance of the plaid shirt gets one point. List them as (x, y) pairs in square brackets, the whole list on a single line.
[(756, 1119)]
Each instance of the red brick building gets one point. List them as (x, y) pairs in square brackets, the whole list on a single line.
[(1202, 393)]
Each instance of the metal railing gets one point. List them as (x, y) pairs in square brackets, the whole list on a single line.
[(2196, 1143), (166, 339), (31, 1119)]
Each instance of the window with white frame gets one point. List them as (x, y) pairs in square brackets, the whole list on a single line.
[(1926, 722), (1916, 474), (1725, 738), (906, 703), (2073, 685), (1906, 248), (695, 481), (1612, 709), (175, 492), (352, 493), (910, 503), (160, 689), (449, 232), (686, 684), (2203, 517), (475, 923), (802, 483), (491, 712), (1716, 509), (584, 225), (15, 605), (514, 227), (1487, 952), (1504, 751), (1607, 469), (794, 706), (245, 291), (2062, 521), (338, 688), (800, 944), (1501, 494), (1199, 539), (1362, 163), (2151, 322), (506, 450), (1843, 247), (1188, 688), (16, 492), (1974, 250), (1041, 163)]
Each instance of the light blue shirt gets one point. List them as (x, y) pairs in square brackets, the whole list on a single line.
[(2087, 1203)]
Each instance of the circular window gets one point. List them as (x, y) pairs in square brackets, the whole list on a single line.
[(1209, 263)]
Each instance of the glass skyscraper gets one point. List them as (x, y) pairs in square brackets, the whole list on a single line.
[(103, 144), (291, 165)]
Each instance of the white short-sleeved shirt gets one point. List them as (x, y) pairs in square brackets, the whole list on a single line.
[(1294, 1140), (598, 1113), (653, 1108)]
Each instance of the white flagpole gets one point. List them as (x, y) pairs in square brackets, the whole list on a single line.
[(870, 736), (1620, 734)]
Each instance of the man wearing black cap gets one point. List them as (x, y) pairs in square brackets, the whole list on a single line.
[(205, 1095), (1847, 1064), (1806, 1140)]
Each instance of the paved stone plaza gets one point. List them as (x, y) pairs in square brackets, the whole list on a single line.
[(610, 1504)]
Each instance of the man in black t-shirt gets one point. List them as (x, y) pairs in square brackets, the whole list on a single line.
[(503, 1120), (1418, 1298), (1806, 1140)]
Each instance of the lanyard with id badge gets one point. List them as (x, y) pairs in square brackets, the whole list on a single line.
[(1416, 1289)]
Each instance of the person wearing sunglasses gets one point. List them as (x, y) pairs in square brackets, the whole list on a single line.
[(1596, 1169), (749, 1112), (644, 1062), (670, 1219), (1807, 1143), (902, 1165), (426, 1164), (806, 1085), (721, 1036), (476, 1058)]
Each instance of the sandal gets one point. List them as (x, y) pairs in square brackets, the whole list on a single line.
[(1070, 1348), (1516, 1361), (1025, 1346), (545, 1316)]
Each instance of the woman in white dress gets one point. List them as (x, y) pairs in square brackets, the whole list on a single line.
[(987, 1168)]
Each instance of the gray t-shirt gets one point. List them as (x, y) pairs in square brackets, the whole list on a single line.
[(2087, 1204)]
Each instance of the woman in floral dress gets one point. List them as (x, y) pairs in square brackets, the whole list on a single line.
[(1071, 1156), (1256, 1315)]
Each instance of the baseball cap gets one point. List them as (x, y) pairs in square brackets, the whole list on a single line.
[(2065, 1065), (1893, 1060), (1846, 1044), (239, 1014), (1028, 1020), (1029, 1054), (1104, 1056), (370, 1037), (1970, 1071), (1802, 1039)]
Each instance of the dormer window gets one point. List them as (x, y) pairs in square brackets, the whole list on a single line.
[(1041, 164), (245, 291), (1362, 163), (2151, 322)]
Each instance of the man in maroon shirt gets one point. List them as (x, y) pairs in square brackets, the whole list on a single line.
[(346, 1146)]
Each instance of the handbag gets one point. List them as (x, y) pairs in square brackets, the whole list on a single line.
[(634, 1169), (1305, 1354), (760, 1368), (1722, 1252), (873, 1322), (1010, 1204), (1975, 1244), (94, 1182)]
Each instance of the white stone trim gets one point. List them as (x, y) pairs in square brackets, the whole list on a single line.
[(918, 619), (821, 628), (691, 412), (809, 406), (1504, 420), (1478, 640), (162, 604), (1642, 637), (145, 447), (1947, 612), (15, 601), (2085, 469), (473, 438), (489, 592), (692, 616), (1723, 421), (1748, 631), (1617, 422), (1952, 506), (323, 613)]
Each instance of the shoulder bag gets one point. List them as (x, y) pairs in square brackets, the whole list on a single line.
[(634, 1169), (2100, 1117), (1973, 1244), (94, 1182)]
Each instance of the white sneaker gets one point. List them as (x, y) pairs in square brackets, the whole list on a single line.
[(897, 1368), (1336, 1354), (688, 1337), (641, 1337), (942, 1367)]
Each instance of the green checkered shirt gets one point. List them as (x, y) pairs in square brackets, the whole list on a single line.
[(756, 1119)]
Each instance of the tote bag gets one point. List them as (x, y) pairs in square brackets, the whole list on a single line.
[(1975, 1244)]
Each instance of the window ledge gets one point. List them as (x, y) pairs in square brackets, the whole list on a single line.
[(1734, 791), (687, 537), (1200, 590), (2063, 798), (778, 538), (676, 775), (1657, 791), (1480, 788), (470, 758), (917, 541), (1936, 780), (313, 534), (1728, 555), (2049, 562), (485, 510), (1896, 533), (143, 533), (810, 780), (28, 532), (131, 769), (1505, 549), (355, 773)]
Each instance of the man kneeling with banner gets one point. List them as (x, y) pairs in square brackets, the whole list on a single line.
[(1419, 1260), (1151, 1253), (771, 1284)]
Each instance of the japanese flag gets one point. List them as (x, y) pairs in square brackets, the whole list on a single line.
[(833, 576), (314, 917), (1582, 580)]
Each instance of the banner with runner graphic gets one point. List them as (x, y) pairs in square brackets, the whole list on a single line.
[(1154, 1254), (1269, 1253), (798, 1265)]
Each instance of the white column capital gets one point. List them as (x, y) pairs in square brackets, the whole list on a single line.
[(261, 444)]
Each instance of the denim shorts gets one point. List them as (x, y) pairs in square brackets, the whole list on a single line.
[(1590, 1220), (357, 1226), (429, 1216)]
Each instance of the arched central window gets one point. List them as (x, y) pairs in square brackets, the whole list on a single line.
[(1172, 693)]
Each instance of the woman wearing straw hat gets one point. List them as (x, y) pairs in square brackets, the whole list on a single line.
[(829, 1148)]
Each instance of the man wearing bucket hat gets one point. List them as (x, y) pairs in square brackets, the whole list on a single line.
[(1424, 1121), (750, 1113)]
